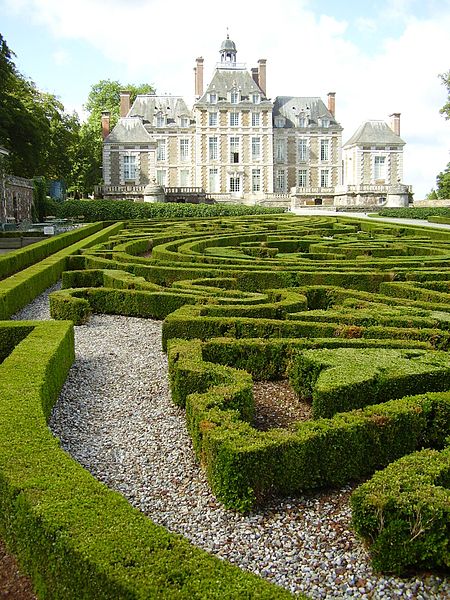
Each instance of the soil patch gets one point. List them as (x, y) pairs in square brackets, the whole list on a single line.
[(13, 585), (277, 405)]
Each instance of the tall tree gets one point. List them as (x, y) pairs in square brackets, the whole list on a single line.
[(445, 110), (443, 184), (104, 95)]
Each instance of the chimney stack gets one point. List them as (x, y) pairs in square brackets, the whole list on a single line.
[(332, 103), (124, 103), (395, 123), (105, 123), (198, 70), (262, 74), (255, 75)]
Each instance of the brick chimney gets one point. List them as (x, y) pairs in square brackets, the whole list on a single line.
[(262, 62), (105, 123), (198, 70), (124, 103), (395, 123), (332, 103), (255, 75)]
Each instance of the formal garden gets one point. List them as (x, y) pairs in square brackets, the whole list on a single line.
[(352, 316)]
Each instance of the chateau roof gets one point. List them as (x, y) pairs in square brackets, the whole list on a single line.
[(148, 105), (374, 133), (312, 107), (224, 80), (129, 129)]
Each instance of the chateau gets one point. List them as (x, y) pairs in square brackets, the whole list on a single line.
[(236, 144)]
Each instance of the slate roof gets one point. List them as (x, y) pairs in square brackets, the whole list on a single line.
[(148, 105), (290, 107), (129, 129), (224, 80), (374, 133)]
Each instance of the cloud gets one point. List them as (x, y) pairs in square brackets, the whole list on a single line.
[(61, 58), (309, 52)]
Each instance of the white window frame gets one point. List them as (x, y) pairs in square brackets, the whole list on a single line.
[(302, 121), (280, 181), (184, 121), (325, 150), (280, 150), (235, 149), (302, 178), (129, 167), (256, 98), (161, 150), (279, 122), (256, 147), (160, 120), (379, 167), (324, 178), (325, 122), (234, 97), (234, 183), (256, 180), (302, 149), (234, 118), (256, 119), (184, 177), (213, 147), (161, 177), (185, 149), (212, 119), (213, 98), (213, 179)]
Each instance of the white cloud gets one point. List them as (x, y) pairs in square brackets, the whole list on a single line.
[(61, 58), (309, 53)]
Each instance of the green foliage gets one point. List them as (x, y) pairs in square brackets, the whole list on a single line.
[(39, 198), (403, 512), (415, 213), (443, 184), (445, 110)]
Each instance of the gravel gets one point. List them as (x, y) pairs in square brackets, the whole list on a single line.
[(115, 417)]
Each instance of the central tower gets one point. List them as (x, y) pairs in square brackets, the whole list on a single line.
[(228, 52)]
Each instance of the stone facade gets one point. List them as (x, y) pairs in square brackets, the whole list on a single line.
[(16, 199), (238, 145)]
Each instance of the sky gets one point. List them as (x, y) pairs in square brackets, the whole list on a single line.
[(380, 57)]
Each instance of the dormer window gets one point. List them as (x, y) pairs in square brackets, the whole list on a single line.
[(280, 121), (213, 98), (302, 121), (324, 122), (184, 121), (234, 97), (256, 98), (160, 120)]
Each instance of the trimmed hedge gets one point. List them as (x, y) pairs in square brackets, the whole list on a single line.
[(244, 465), (96, 546), (403, 513)]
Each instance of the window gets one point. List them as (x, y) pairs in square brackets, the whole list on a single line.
[(235, 183), (256, 98), (212, 148), (279, 121), (161, 177), (255, 119), (256, 180), (129, 167), (280, 150), (234, 119), (161, 150), (281, 180), (302, 121), (379, 168), (302, 150), (324, 150), (184, 177), (184, 150), (184, 122), (324, 122), (213, 98), (302, 178), (212, 120), (160, 120), (324, 177), (234, 149), (256, 148), (234, 97), (213, 180)]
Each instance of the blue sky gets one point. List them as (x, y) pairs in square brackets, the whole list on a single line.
[(379, 56)]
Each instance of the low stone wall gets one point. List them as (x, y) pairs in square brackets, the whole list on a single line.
[(431, 203)]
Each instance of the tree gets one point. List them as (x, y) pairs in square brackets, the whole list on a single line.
[(104, 95), (443, 184), (445, 110)]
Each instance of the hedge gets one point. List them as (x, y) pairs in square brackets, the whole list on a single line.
[(403, 513), (244, 465), (96, 546)]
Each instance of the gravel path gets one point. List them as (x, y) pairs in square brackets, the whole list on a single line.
[(115, 417)]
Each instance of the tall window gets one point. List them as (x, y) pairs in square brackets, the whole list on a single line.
[(255, 119), (324, 150), (302, 121), (324, 177), (302, 150), (212, 119), (234, 119), (325, 122), (234, 97), (235, 183), (379, 168), (184, 122), (129, 167), (281, 180), (256, 98), (256, 148), (212, 148), (184, 177), (256, 180), (184, 150), (214, 180), (161, 176), (280, 150), (160, 120), (213, 98), (161, 150), (234, 149), (302, 178)]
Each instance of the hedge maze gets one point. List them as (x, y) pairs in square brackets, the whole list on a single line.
[(355, 314)]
